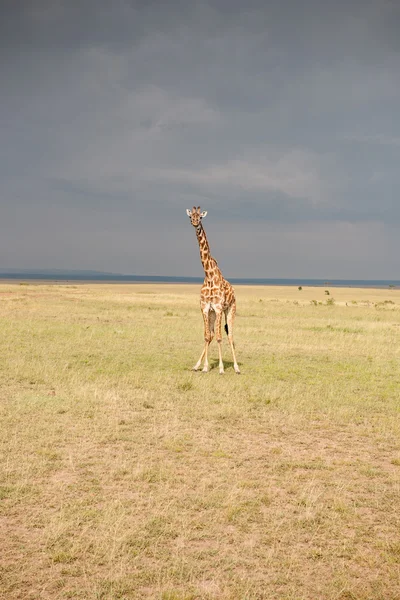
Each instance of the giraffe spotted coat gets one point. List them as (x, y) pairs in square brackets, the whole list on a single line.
[(217, 297)]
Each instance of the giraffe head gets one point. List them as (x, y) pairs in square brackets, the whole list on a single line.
[(195, 215)]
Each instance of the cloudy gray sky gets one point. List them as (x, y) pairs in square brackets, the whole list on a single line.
[(279, 117)]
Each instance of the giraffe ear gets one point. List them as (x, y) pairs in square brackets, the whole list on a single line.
[(188, 212), (203, 214)]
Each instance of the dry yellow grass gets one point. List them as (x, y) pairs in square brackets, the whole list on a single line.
[(125, 475)]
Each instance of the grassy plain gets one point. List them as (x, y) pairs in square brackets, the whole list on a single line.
[(126, 475)]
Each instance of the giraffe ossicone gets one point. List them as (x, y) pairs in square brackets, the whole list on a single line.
[(217, 297), (202, 215)]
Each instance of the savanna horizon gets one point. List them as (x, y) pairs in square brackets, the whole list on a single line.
[(126, 475), (90, 276)]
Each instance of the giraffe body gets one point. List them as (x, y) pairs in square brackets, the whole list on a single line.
[(217, 297)]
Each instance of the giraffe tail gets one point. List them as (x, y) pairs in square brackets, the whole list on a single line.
[(227, 332)]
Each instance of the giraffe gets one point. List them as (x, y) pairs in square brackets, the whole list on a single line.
[(217, 296)]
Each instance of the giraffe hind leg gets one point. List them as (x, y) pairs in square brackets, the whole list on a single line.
[(230, 317), (219, 340)]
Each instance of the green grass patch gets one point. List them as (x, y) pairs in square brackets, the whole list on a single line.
[(126, 475)]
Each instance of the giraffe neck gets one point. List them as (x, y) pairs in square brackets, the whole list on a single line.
[(209, 263)]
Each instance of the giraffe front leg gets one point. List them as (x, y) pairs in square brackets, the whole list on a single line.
[(207, 341), (198, 364), (206, 367)]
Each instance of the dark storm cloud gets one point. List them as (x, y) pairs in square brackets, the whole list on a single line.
[(263, 112)]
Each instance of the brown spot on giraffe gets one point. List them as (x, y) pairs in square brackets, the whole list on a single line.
[(217, 296)]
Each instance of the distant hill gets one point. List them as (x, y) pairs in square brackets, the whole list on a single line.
[(59, 275), (55, 272)]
